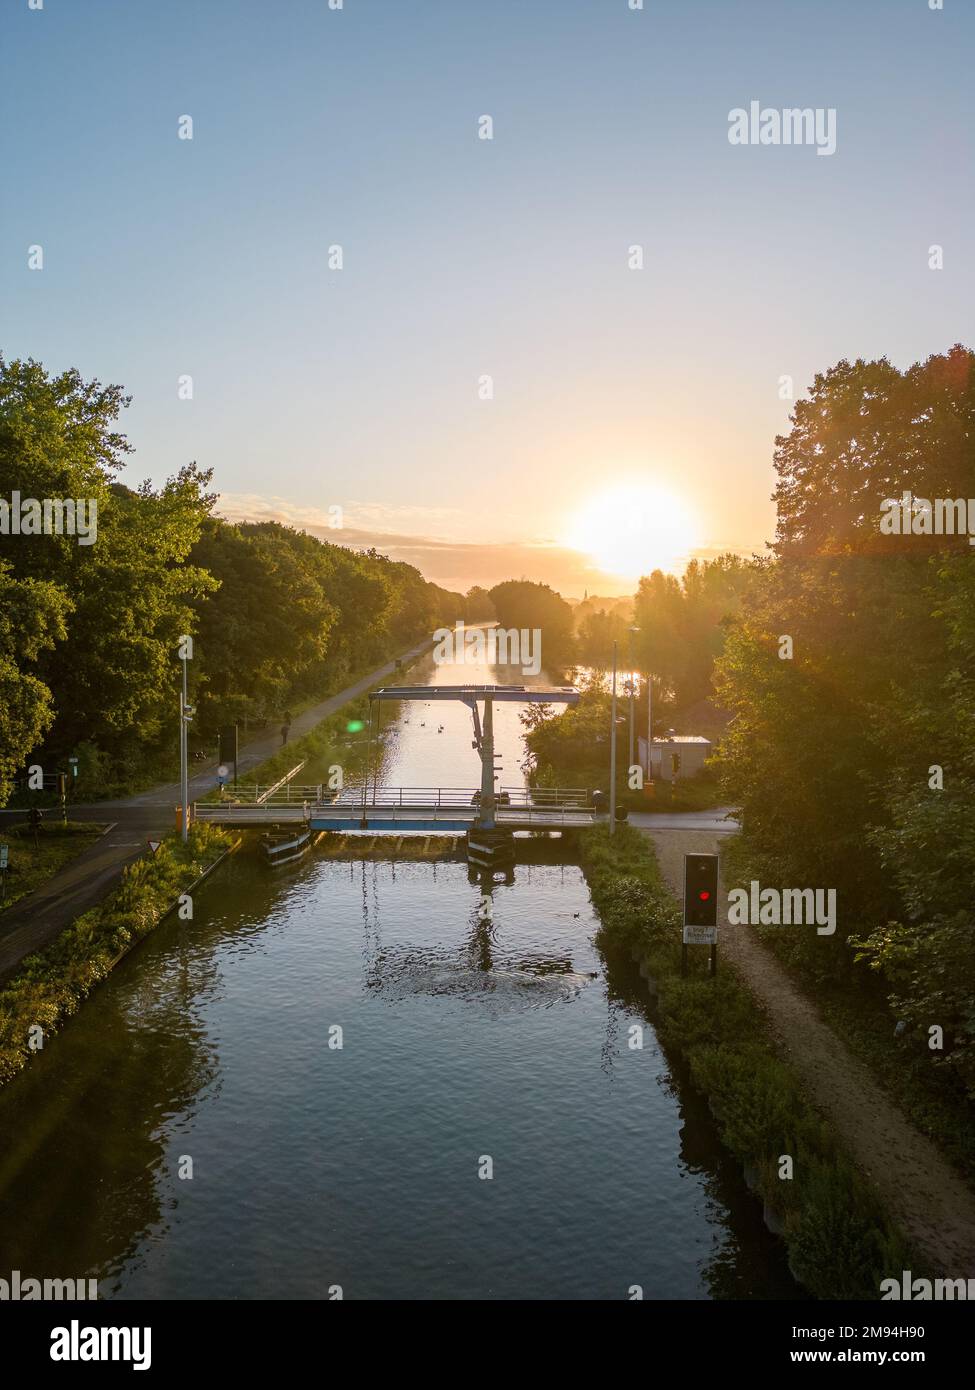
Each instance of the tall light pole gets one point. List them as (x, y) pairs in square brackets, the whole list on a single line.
[(185, 715), (632, 689), (649, 727), (612, 754)]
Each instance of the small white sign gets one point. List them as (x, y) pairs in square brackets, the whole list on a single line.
[(700, 936), (4, 851), (153, 845)]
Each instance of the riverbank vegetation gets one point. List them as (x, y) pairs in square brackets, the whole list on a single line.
[(338, 741), (851, 757), (49, 985), (840, 1241), (571, 748), (35, 858)]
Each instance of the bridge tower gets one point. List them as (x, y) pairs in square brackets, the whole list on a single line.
[(488, 843)]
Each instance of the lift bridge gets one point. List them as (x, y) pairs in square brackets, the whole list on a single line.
[(487, 814)]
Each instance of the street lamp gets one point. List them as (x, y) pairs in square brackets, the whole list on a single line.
[(612, 753), (632, 688), (186, 712)]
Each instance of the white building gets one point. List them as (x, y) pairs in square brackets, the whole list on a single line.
[(692, 750)]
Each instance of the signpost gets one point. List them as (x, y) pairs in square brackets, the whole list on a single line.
[(700, 907), (4, 857), (228, 747)]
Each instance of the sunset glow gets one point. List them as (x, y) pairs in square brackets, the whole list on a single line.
[(632, 529)]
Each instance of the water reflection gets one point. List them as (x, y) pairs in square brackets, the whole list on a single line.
[(477, 1018)]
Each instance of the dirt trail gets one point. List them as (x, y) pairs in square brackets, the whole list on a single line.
[(922, 1192)]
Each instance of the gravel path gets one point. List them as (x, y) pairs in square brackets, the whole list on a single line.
[(922, 1192)]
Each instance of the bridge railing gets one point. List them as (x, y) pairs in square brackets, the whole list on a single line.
[(287, 793), (461, 796), (282, 782)]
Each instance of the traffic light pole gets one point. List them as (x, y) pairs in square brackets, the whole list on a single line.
[(700, 908)]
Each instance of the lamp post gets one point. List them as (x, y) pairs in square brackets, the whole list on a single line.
[(612, 753), (185, 715), (631, 685), (649, 727)]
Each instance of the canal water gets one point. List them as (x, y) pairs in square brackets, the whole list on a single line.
[(383, 1077)]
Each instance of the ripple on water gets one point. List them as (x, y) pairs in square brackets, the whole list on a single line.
[(496, 993)]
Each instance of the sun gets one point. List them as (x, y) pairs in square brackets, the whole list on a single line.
[(632, 529)]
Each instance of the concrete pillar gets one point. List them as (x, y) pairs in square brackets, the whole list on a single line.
[(486, 812)]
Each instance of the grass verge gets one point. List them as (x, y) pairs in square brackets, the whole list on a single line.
[(841, 1242), (49, 985), (30, 865)]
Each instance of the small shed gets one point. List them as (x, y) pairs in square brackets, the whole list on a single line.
[(692, 749)]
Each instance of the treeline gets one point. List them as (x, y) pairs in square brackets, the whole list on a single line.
[(89, 633), (670, 633), (851, 678), (843, 666)]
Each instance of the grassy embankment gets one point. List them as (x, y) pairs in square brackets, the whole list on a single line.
[(330, 743), (50, 985), (840, 1241), (856, 1006), (31, 866)]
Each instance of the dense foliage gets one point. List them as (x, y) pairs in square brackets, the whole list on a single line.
[(89, 633), (519, 603), (853, 761)]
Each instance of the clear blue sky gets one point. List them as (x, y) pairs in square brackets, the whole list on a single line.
[(465, 257)]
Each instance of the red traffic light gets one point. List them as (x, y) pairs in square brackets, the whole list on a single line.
[(704, 896)]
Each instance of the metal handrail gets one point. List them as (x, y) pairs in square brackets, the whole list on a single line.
[(542, 817), (286, 793), (284, 781)]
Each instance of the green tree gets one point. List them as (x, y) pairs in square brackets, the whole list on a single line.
[(33, 616), (519, 603), (113, 674)]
